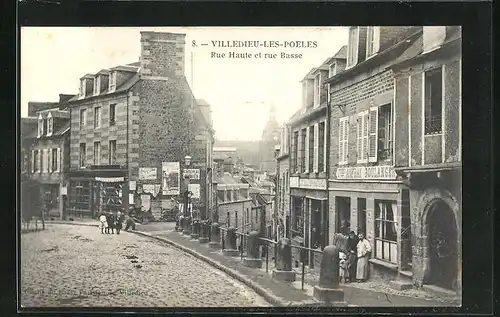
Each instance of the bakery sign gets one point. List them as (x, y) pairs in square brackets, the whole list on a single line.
[(366, 172), (307, 183)]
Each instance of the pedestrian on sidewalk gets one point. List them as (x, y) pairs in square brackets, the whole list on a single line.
[(118, 222), (103, 224), (352, 258), (364, 248)]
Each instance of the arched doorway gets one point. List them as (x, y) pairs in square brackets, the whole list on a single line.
[(442, 242)]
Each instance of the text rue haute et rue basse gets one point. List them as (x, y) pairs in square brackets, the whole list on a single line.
[(261, 44)]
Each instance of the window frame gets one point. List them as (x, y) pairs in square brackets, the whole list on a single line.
[(36, 161), (83, 155), (310, 149), (380, 234), (97, 85), (97, 117), (50, 124), (40, 126), (373, 37), (430, 119), (112, 114), (83, 118), (322, 147), (97, 153), (353, 47), (83, 88), (362, 137), (112, 81), (112, 152), (55, 160)]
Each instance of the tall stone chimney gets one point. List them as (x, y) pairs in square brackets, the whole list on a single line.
[(162, 54)]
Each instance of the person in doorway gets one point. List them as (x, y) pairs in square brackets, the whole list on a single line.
[(103, 224), (363, 251), (118, 222), (352, 258)]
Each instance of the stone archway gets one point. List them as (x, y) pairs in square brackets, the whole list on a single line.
[(441, 240)]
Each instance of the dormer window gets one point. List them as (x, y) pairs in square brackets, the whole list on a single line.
[(333, 70), (433, 37), (97, 85), (317, 90), (50, 124), (353, 47), (372, 41), (112, 81), (40, 126)]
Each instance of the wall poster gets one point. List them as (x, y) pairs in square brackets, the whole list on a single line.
[(171, 178)]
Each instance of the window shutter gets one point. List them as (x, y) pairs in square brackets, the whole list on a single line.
[(39, 161), (359, 137), (346, 140), (33, 161), (373, 134), (49, 161), (324, 148), (341, 141), (316, 147), (306, 145), (59, 160), (366, 127), (376, 39)]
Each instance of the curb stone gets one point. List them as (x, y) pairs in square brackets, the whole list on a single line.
[(268, 296)]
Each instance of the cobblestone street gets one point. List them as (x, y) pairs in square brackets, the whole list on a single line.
[(78, 266)]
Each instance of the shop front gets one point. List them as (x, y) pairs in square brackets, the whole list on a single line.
[(371, 200), (309, 216), (97, 189)]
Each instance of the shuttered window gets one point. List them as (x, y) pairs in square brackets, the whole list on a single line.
[(343, 140), (307, 146), (49, 163), (362, 133), (373, 134), (321, 147)]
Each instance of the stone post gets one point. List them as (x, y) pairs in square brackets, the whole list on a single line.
[(328, 290), (203, 232), (252, 259), (230, 248), (283, 271), (215, 237), (187, 228), (195, 232)]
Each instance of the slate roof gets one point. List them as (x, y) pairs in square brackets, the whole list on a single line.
[(124, 87)]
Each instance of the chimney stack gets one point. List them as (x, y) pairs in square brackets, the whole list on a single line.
[(162, 54)]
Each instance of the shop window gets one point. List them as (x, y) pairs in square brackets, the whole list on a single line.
[(298, 218), (316, 225), (343, 208), (83, 155), (385, 231), (433, 101), (81, 197)]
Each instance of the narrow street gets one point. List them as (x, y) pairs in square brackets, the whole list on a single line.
[(78, 266)]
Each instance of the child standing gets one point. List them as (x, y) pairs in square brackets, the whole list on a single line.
[(103, 224), (343, 268)]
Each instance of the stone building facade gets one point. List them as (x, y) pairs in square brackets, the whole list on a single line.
[(428, 90), (283, 186), (132, 126), (365, 194)]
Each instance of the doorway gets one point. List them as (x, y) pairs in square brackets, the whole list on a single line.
[(362, 215), (343, 208), (442, 246)]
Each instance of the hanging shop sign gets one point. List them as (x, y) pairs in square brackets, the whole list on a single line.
[(110, 179), (195, 189), (171, 178), (147, 173), (191, 173), (366, 172)]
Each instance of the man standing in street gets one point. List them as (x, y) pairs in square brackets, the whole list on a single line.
[(352, 243)]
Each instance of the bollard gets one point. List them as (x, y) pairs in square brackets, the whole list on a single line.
[(187, 228), (230, 248), (195, 231), (253, 259), (328, 290), (283, 271), (215, 237), (203, 233)]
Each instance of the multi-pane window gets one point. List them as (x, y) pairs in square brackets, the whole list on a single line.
[(372, 40), (385, 139), (97, 85), (343, 140), (352, 47), (333, 70), (362, 133), (97, 153), (36, 161), (83, 154), (112, 81), (83, 117), (385, 230), (112, 114), (97, 117), (321, 148), (55, 160), (433, 101), (112, 152), (311, 149)]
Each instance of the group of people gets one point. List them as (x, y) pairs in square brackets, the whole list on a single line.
[(109, 222), (354, 264)]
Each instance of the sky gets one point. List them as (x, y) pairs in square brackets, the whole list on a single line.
[(240, 91)]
